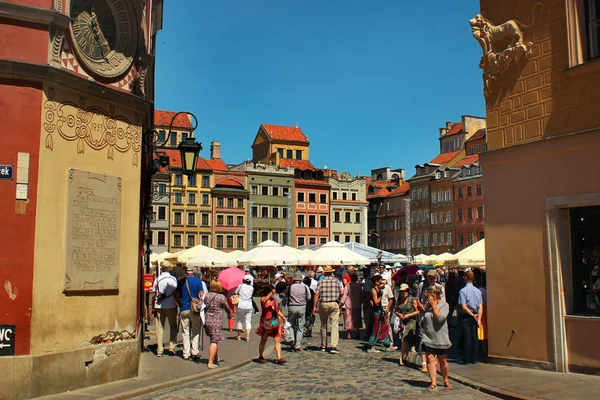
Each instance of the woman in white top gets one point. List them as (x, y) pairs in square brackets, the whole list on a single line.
[(245, 309)]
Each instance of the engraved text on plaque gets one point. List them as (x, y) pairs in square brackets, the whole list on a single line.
[(92, 231)]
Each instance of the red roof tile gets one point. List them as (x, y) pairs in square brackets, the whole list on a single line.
[(444, 157), (457, 128), (302, 165), (480, 134), (311, 182), (468, 160), (229, 182), (400, 189), (285, 133), (383, 192), (163, 118), (201, 164)]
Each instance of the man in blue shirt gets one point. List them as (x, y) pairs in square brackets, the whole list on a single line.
[(188, 288), (469, 318)]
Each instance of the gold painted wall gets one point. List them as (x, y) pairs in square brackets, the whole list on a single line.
[(79, 131)]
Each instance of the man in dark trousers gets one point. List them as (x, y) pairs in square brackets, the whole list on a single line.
[(469, 318)]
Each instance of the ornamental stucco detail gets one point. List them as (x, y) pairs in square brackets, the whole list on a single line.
[(501, 44), (91, 126)]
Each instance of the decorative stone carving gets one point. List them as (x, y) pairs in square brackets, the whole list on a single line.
[(501, 44), (91, 125), (57, 35)]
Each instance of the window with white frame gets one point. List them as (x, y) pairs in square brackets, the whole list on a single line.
[(434, 197), (434, 241), (426, 240), (449, 239), (442, 239)]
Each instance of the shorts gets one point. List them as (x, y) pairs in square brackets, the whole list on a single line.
[(434, 351)]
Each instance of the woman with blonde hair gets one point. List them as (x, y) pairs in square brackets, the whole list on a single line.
[(436, 340), (215, 303)]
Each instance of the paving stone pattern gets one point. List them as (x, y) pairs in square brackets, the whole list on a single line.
[(312, 374)]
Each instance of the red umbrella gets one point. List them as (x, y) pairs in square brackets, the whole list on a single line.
[(411, 269), (231, 277)]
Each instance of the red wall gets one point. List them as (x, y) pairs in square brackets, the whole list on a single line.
[(34, 3), (465, 226), (23, 41), (20, 108)]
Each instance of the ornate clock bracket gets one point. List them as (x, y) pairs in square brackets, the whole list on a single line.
[(501, 44), (142, 62), (57, 35)]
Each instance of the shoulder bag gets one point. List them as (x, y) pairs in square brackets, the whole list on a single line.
[(194, 302)]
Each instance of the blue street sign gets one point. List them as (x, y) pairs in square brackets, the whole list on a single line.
[(6, 172)]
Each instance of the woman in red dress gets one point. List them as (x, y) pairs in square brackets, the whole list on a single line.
[(272, 323)]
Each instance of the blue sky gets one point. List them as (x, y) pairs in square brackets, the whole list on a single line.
[(369, 82)]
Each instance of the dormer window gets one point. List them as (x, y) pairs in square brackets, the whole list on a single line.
[(468, 171), (427, 169), (446, 174), (438, 175)]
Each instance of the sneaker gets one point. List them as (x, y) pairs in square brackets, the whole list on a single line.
[(391, 348), (322, 349), (334, 351), (159, 354), (373, 350)]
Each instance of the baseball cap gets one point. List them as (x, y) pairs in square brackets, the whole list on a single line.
[(420, 272), (320, 269)]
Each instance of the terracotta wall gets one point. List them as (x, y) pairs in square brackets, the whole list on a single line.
[(23, 41), (22, 101), (516, 247)]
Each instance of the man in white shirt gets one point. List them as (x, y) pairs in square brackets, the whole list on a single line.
[(248, 276), (165, 307)]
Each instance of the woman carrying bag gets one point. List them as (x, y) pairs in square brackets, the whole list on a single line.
[(272, 323)]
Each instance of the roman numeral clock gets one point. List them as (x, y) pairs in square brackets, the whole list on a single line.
[(104, 35)]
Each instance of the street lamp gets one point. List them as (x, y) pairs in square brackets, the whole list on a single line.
[(189, 150)]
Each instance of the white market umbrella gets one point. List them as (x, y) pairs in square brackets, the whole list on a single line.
[(211, 259), (472, 256), (334, 253), (305, 256), (442, 258), (235, 254), (268, 253), (158, 258), (187, 254), (423, 259)]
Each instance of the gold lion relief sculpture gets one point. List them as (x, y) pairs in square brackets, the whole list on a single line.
[(501, 44)]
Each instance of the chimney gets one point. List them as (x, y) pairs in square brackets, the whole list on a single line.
[(215, 150)]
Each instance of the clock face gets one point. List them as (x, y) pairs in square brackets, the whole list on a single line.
[(104, 35)]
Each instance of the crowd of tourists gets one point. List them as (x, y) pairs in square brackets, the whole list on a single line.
[(404, 308)]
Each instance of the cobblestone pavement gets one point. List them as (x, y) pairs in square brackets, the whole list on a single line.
[(312, 374)]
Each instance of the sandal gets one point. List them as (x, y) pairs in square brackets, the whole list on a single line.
[(238, 338), (247, 340), (448, 385), (431, 388), (261, 360)]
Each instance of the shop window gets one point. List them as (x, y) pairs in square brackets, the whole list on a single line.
[(585, 244)]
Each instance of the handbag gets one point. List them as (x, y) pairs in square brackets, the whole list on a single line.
[(235, 299), (195, 304), (271, 324)]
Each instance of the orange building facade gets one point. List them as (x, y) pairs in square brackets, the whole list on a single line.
[(543, 135)]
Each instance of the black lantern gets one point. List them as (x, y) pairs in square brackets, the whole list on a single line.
[(189, 150)]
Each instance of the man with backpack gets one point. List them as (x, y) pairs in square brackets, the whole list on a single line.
[(165, 307), (190, 291)]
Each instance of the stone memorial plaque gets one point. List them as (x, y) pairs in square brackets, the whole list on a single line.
[(93, 227)]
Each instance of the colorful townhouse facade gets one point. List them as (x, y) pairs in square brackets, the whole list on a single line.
[(348, 207), (271, 203), (381, 182), (393, 221), (229, 201)]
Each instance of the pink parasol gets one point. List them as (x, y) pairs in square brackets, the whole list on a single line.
[(231, 277)]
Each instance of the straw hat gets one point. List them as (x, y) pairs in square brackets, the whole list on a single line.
[(328, 269)]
